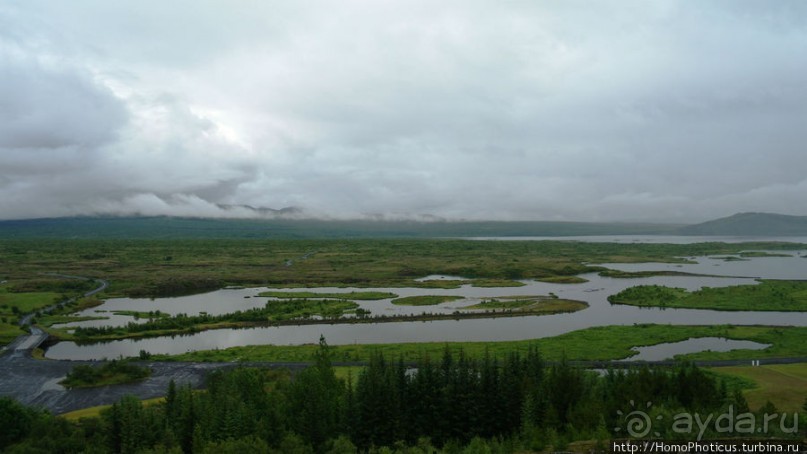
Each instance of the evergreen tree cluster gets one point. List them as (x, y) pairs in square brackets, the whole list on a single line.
[(457, 404)]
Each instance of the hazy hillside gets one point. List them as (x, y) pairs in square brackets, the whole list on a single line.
[(742, 224), (169, 227), (766, 224)]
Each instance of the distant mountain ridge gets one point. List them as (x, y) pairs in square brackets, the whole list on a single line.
[(751, 224), (287, 226), (178, 227), (263, 212)]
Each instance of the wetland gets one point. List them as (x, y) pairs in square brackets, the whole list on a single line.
[(182, 305), (457, 278)]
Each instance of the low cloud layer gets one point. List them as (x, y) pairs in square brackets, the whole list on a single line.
[(651, 111)]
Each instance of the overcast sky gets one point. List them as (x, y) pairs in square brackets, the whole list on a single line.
[(535, 110)]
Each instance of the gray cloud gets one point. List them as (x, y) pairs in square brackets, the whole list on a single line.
[(552, 110), (46, 108)]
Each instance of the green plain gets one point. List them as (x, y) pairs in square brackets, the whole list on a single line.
[(25, 302), (769, 295), (13, 304), (9, 332), (784, 385), (144, 268)]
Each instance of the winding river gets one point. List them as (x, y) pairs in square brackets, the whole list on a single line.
[(594, 292)]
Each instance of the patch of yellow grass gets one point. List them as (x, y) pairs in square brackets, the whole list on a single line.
[(785, 385), (94, 412), (9, 332), (342, 372)]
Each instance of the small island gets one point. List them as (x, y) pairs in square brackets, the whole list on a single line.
[(360, 296), (111, 373), (529, 305), (424, 300)]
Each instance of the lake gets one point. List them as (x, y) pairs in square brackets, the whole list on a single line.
[(655, 239)]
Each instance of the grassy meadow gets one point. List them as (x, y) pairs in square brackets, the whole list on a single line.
[(13, 304), (784, 385), (141, 268), (769, 295)]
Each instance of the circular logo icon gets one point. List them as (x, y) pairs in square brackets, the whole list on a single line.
[(637, 423)]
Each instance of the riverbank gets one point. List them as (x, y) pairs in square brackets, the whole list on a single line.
[(606, 343), (545, 307), (35, 382)]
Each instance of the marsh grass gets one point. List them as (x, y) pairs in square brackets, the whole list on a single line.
[(360, 296), (50, 320), (110, 373), (496, 283), (563, 280), (749, 254), (769, 295), (531, 304), (150, 267), (425, 300)]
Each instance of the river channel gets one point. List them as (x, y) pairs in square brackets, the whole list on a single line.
[(595, 292)]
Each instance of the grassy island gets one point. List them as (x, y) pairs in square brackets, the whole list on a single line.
[(531, 304), (769, 295), (111, 373), (360, 296), (425, 300)]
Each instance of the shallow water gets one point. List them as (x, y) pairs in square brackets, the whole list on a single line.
[(595, 292), (792, 267), (655, 239), (661, 352)]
